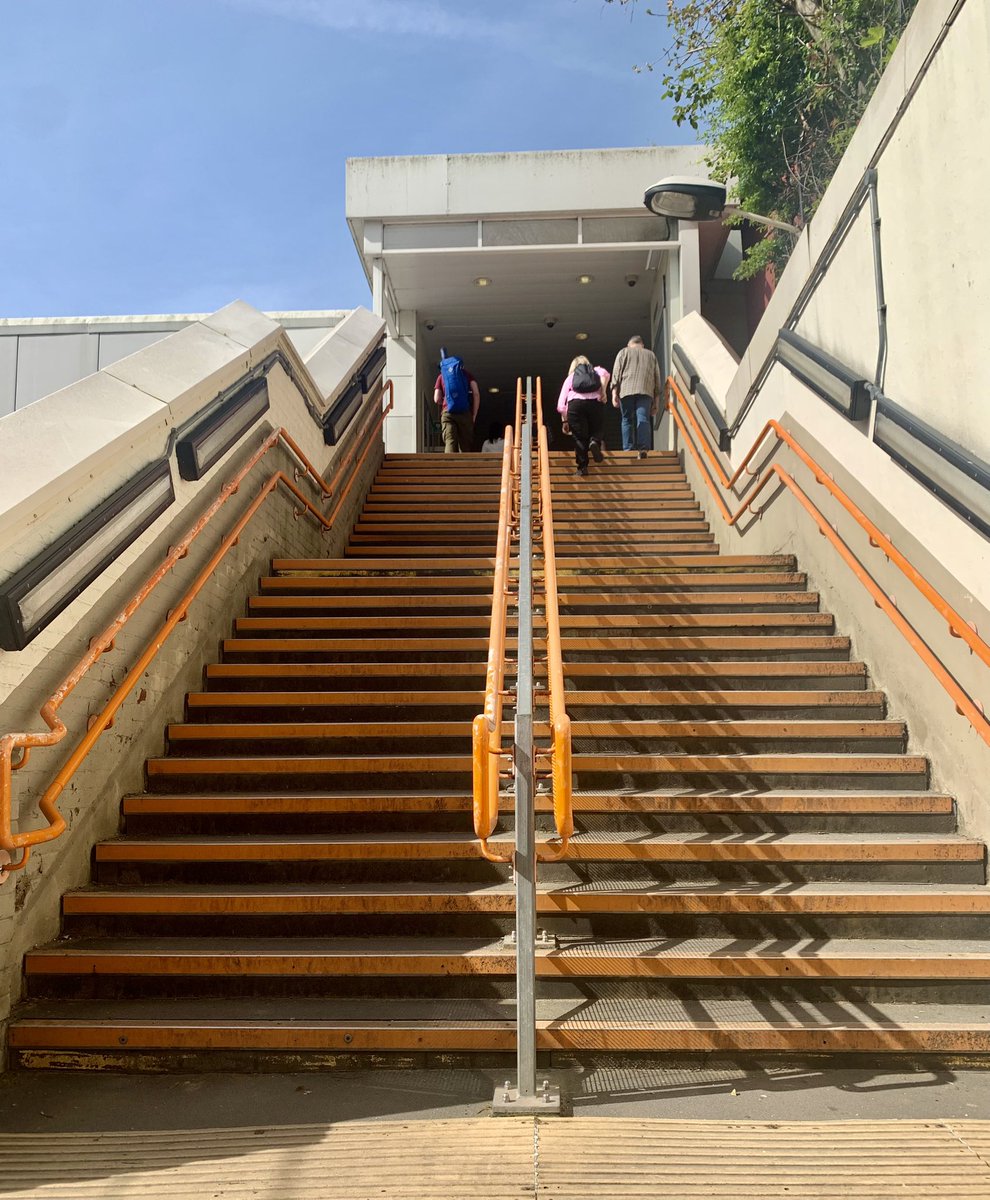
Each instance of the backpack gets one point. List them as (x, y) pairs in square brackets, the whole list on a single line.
[(585, 380), (455, 385)]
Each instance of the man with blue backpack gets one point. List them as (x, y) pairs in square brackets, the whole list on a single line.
[(456, 394)]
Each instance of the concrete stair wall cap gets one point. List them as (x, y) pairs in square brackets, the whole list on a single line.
[(715, 362), (242, 324), (189, 368), (84, 440), (334, 360)]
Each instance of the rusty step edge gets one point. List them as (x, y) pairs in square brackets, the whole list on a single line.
[(702, 1036)]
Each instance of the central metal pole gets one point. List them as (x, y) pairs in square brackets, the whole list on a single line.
[(525, 859), (524, 1099)]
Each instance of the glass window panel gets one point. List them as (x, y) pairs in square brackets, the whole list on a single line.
[(625, 229), (430, 235), (542, 231)]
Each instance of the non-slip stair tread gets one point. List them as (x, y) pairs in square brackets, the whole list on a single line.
[(610, 1007), (782, 947), (575, 699), (603, 837), (628, 801), (769, 729), (975, 896)]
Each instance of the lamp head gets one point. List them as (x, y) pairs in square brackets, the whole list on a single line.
[(686, 198)]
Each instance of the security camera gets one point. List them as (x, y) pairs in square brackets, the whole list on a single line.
[(431, 324), (549, 322), (632, 280)]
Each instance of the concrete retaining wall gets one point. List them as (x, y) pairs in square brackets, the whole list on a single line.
[(62, 455), (922, 133)]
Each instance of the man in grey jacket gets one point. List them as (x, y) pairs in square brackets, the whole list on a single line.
[(636, 393)]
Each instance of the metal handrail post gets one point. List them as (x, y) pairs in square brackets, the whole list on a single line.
[(525, 1098), (525, 860)]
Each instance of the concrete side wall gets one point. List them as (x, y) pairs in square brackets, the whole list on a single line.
[(29, 900), (924, 133), (946, 550)]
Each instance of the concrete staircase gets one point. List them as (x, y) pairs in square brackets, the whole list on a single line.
[(761, 865)]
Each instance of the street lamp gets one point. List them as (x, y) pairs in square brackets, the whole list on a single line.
[(690, 198)]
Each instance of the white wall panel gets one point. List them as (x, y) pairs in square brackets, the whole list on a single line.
[(48, 362)]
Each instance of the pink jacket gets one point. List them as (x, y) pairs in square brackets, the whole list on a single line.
[(568, 393)]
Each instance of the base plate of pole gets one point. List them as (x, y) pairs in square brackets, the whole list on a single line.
[(507, 1101)]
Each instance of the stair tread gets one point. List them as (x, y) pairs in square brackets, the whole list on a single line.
[(823, 948), (604, 837), (679, 763), (615, 895), (261, 803), (606, 1011), (783, 728)]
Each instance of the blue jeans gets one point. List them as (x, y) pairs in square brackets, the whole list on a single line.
[(635, 422)]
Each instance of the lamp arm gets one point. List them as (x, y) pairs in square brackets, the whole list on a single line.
[(768, 221)]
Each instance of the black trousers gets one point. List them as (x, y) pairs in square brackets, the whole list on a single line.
[(585, 418)]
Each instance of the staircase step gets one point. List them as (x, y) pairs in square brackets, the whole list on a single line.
[(600, 847), (656, 958), (204, 703), (348, 670), (724, 804), (616, 896), (655, 730), (430, 563), (121, 1036)]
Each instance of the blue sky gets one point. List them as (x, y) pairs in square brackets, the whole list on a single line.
[(170, 155)]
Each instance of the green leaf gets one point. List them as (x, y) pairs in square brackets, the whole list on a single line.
[(874, 36)]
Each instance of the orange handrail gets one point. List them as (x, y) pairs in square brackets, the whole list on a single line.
[(486, 729), (958, 626), (104, 642), (518, 418), (560, 722)]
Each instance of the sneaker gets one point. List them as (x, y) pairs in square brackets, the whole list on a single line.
[(643, 453), (581, 471), (596, 451)]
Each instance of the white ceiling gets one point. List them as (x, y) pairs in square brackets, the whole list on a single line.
[(527, 286)]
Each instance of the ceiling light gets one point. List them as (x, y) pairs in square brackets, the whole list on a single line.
[(35, 595), (581, 337), (482, 281), (585, 278), (493, 391), (489, 338)]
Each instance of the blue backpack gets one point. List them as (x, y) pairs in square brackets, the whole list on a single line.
[(455, 385)]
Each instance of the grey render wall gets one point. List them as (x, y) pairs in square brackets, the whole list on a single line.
[(40, 355)]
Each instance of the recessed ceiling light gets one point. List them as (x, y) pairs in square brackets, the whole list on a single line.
[(581, 337), (493, 391), (482, 281), (488, 338), (585, 278)]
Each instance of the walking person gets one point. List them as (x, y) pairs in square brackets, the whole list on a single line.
[(636, 393), (456, 394), (582, 405)]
